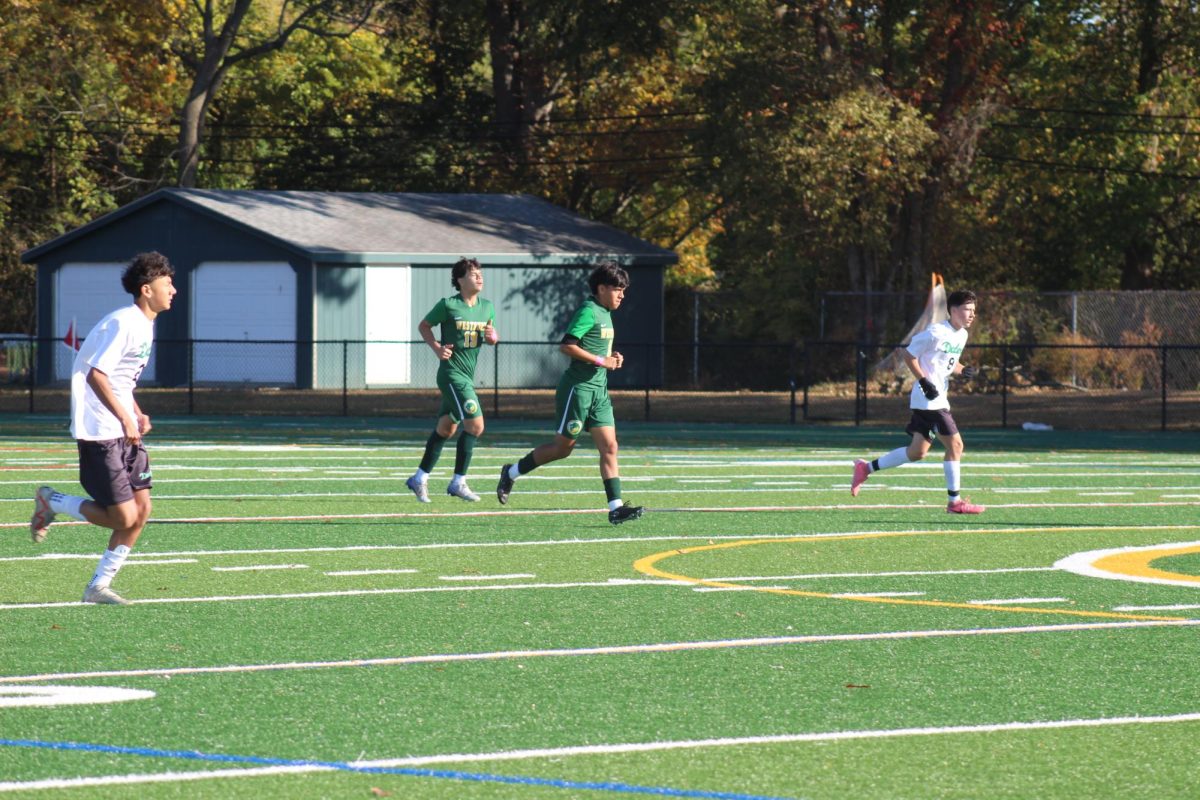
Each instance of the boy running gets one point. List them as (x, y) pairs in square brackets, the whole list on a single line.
[(467, 322), (582, 401), (108, 425), (933, 356)]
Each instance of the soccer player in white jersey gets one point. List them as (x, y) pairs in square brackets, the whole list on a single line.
[(933, 356), (108, 425)]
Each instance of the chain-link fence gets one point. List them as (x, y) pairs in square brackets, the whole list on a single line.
[(1068, 385), (1095, 318)]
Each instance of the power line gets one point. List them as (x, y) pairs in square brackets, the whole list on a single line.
[(1092, 168), (1094, 131), (1085, 112)]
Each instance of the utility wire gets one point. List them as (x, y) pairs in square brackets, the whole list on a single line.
[(1092, 168)]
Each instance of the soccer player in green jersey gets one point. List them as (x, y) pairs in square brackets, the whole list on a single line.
[(582, 401), (467, 322)]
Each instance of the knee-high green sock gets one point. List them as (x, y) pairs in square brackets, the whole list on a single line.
[(612, 488), (462, 455), (433, 451)]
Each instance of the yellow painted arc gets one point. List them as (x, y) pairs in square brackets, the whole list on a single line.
[(1136, 563), (649, 566)]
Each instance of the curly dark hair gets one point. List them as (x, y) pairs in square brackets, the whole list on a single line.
[(145, 268), (461, 268), (960, 298), (608, 273)]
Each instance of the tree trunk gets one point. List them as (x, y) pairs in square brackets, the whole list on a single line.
[(506, 22)]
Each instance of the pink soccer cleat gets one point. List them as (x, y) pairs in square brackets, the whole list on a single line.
[(862, 470), (963, 506), (43, 515)]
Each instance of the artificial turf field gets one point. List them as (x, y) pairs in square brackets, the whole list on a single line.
[(302, 627)]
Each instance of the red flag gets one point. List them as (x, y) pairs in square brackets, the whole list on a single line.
[(71, 340)]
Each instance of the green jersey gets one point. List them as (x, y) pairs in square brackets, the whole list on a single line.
[(592, 329), (462, 326)]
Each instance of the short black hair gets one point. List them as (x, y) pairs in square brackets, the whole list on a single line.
[(608, 273), (461, 268), (145, 268), (960, 298)]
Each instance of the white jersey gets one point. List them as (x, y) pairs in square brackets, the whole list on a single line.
[(937, 349), (119, 346)]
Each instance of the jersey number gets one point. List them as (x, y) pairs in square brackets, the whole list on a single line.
[(470, 339)]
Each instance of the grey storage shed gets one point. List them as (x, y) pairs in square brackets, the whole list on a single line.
[(311, 289)]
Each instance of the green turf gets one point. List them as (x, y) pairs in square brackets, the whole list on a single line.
[(922, 634)]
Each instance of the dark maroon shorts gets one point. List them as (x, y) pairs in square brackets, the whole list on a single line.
[(927, 423), (111, 470)]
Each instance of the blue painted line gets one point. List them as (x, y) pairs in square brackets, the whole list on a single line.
[(480, 777)]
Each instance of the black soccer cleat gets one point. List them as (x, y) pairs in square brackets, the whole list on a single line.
[(504, 486), (624, 514)]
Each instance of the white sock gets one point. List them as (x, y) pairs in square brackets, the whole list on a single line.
[(457, 479), (893, 459), (421, 475), (953, 476), (67, 504), (613, 505), (513, 472), (110, 562)]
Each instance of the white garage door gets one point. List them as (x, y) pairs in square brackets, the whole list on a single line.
[(251, 308), (389, 331), (85, 294)]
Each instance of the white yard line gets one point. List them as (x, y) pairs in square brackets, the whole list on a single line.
[(508, 577), (656, 510), (660, 647), (1018, 601), (355, 572), (598, 749), (354, 593), (918, 573), (259, 567)]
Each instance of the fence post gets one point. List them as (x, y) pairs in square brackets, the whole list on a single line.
[(1004, 386), (1163, 362), (646, 377), (496, 379), (792, 382), (34, 357), (345, 377), (807, 377), (860, 385), (191, 370)]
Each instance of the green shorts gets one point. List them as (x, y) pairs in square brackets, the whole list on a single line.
[(459, 400), (580, 408)]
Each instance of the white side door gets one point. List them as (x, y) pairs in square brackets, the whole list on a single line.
[(85, 293), (389, 326), (251, 307)]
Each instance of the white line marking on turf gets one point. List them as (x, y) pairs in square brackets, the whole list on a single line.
[(46, 696), (148, 562), (1084, 564), (259, 567), (597, 749), (735, 588), (785, 738), (1176, 607), (355, 593), (1018, 601), (510, 576), (662, 647), (352, 572), (575, 511), (818, 575)]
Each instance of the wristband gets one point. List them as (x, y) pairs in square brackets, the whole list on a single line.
[(599, 361)]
